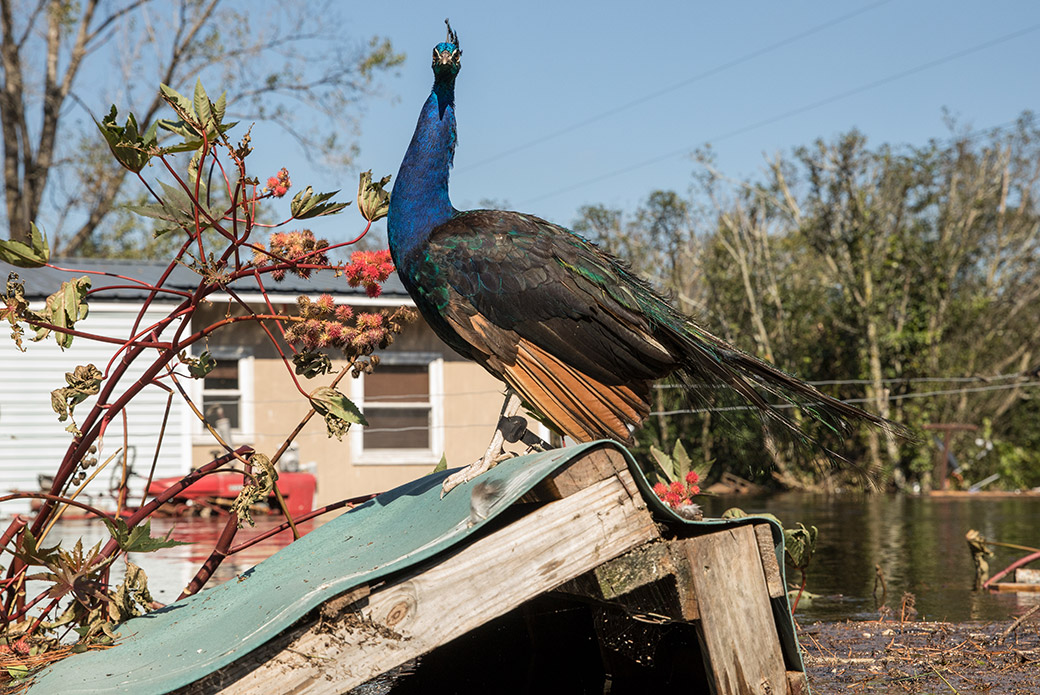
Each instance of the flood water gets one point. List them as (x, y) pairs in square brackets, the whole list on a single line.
[(918, 541)]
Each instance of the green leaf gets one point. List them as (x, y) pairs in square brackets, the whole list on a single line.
[(800, 544), (310, 363), (265, 475), (200, 366), (63, 309), (18, 672), (306, 205), (131, 148), (32, 255), (31, 553), (680, 460), (139, 539), (373, 200), (199, 119), (338, 410), (131, 598), (202, 106), (177, 208), (442, 465), (84, 382), (663, 463)]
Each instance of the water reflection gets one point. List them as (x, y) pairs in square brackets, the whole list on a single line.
[(169, 570), (919, 543)]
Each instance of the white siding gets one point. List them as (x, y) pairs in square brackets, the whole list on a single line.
[(32, 441)]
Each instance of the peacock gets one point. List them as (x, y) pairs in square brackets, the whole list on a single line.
[(577, 337)]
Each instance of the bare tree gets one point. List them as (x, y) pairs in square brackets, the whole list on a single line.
[(65, 62)]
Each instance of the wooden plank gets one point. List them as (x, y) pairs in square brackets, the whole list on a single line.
[(1013, 586), (737, 628), (764, 538), (1024, 575), (653, 580), (796, 683), (596, 465), (444, 599)]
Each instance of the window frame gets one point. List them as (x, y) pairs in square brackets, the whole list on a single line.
[(245, 432), (404, 456)]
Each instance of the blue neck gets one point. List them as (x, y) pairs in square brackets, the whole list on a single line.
[(419, 201)]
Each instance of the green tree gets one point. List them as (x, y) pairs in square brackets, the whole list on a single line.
[(63, 62)]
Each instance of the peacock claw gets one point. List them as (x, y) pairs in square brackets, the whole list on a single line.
[(472, 471), (495, 453)]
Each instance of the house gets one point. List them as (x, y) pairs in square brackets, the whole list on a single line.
[(422, 400)]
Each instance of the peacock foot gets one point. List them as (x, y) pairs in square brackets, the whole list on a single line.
[(483, 465)]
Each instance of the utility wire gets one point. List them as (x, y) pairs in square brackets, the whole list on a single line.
[(797, 111), (897, 397), (678, 85)]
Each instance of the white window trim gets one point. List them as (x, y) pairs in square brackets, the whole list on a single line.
[(245, 433), (403, 457)]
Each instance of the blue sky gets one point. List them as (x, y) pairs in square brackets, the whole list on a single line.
[(534, 68)]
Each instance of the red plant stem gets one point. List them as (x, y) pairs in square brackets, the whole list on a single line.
[(1013, 566), (56, 499), (352, 502), (40, 617), (172, 491), (29, 606), (274, 341), (270, 306), (17, 524), (158, 444), (138, 284), (800, 590), (151, 330), (165, 290), (162, 279), (355, 240), (220, 551), (95, 336), (196, 205), (121, 495)]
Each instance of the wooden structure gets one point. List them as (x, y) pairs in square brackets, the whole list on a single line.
[(690, 602)]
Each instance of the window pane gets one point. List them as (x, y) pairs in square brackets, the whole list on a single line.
[(398, 382), (216, 407), (223, 376), (409, 428)]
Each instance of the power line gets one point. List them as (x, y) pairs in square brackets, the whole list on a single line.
[(796, 111), (678, 85), (897, 397)]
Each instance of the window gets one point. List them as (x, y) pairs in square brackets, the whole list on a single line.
[(226, 395), (401, 401), (221, 395)]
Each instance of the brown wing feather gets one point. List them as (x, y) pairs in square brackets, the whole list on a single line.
[(582, 407)]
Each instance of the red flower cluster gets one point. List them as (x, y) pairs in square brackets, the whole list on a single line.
[(678, 493), (326, 325), (279, 184), (369, 268), (292, 246)]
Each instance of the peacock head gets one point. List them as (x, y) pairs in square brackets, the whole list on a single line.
[(447, 55)]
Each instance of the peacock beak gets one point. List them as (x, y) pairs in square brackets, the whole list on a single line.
[(444, 58)]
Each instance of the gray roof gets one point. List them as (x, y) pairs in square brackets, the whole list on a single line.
[(42, 282)]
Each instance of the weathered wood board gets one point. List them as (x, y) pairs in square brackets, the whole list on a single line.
[(435, 603)]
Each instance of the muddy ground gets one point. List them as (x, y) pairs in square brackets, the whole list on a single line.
[(923, 657)]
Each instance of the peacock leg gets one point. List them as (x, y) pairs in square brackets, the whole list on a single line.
[(494, 453)]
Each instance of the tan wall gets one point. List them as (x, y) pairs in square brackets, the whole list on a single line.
[(472, 400)]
